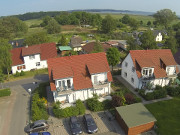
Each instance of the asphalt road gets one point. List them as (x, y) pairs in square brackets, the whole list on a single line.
[(14, 112)]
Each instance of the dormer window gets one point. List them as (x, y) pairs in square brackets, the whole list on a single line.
[(147, 72), (32, 57)]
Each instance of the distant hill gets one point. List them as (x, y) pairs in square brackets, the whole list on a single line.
[(37, 15), (116, 11)]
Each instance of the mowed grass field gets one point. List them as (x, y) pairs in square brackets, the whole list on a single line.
[(167, 114)]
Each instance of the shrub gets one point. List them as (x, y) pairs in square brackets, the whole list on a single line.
[(80, 106), (116, 101), (5, 92), (129, 98), (17, 74), (79, 109), (138, 100), (22, 73), (38, 109), (173, 91), (94, 104), (107, 104)]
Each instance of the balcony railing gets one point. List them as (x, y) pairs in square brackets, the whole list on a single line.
[(101, 84), (63, 90)]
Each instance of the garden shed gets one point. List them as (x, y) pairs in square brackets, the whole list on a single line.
[(135, 118)]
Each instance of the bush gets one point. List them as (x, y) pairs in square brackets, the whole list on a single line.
[(38, 109), (17, 74), (116, 101), (79, 109), (138, 100), (159, 92), (5, 92), (94, 104), (22, 73), (172, 91), (129, 98), (107, 104)]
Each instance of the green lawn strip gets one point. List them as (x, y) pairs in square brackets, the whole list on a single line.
[(5, 92), (28, 74), (167, 114)]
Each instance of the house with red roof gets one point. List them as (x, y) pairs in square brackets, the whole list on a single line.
[(156, 67), (32, 57), (79, 77)]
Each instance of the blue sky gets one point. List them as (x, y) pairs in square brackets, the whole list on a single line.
[(12, 7)]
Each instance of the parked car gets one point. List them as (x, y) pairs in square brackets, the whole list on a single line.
[(37, 126), (75, 126), (90, 124), (40, 133)]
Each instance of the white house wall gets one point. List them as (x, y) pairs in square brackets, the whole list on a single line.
[(130, 73), (100, 77), (64, 79), (30, 64), (159, 37), (171, 69), (80, 94)]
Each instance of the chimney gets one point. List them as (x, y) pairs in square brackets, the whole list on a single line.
[(17, 43)]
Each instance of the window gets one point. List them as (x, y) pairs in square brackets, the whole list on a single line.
[(32, 57), (145, 71), (133, 69), (125, 74), (21, 67), (132, 80), (68, 83), (150, 72), (126, 64), (37, 64)]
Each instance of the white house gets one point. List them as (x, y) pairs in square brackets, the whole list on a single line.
[(158, 35), (32, 57), (79, 77), (157, 67)]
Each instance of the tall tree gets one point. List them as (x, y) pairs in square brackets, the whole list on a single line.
[(134, 23), (113, 56), (165, 17), (148, 40), (36, 38), (46, 20), (171, 44), (53, 27), (148, 23), (126, 19), (63, 41), (177, 36), (108, 24), (132, 44), (5, 56)]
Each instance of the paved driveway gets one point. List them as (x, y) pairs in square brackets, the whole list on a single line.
[(14, 110), (61, 126)]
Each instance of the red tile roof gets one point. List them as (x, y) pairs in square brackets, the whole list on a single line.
[(30, 50), (88, 48), (151, 58), (16, 55), (81, 67), (46, 50)]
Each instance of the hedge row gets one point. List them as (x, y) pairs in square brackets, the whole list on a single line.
[(159, 92), (5, 92), (39, 103), (79, 109)]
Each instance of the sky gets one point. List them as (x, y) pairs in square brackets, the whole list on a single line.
[(14, 7)]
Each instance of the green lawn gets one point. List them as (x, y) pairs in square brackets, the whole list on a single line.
[(28, 74), (167, 114)]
